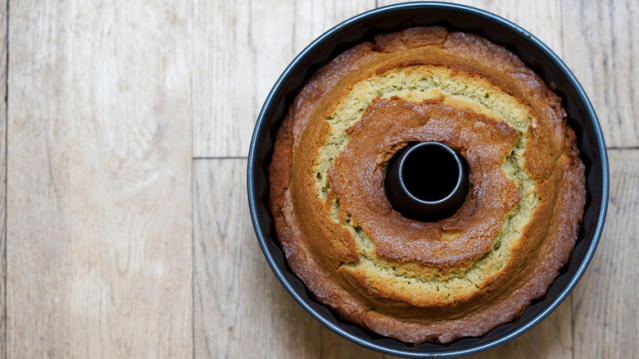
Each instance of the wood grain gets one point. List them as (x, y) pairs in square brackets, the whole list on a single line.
[(99, 202), (601, 40), (605, 307), (240, 48), (240, 309), (3, 177)]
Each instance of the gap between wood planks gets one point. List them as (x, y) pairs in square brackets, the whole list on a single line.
[(3, 241), (198, 158)]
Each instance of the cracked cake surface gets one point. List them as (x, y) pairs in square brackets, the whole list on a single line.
[(426, 281)]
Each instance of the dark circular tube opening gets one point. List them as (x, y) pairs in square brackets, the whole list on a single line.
[(426, 181), (430, 173)]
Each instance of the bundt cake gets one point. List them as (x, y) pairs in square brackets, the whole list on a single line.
[(403, 278)]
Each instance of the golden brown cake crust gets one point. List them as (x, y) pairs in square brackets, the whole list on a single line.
[(411, 280)]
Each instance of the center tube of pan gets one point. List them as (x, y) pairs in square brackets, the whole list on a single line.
[(426, 181)]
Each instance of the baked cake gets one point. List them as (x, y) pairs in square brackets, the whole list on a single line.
[(426, 281)]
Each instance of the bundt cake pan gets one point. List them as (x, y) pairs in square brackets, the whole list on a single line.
[(454, 17)]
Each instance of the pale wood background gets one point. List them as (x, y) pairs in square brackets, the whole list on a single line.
[(124, 227)]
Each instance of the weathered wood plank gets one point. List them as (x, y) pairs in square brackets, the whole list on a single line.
[(99, 201), (605, 308), (240, 48), (601, 46), (240, 309)]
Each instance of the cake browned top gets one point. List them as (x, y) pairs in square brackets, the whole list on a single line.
[(426, 281)]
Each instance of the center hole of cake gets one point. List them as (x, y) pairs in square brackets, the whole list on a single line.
[(430, 173)]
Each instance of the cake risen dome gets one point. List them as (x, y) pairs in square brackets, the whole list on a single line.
[(426, 281)]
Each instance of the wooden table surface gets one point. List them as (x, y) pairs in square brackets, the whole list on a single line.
[(123, 142)]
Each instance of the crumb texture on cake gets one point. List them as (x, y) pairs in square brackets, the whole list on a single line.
[(426, 281)]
